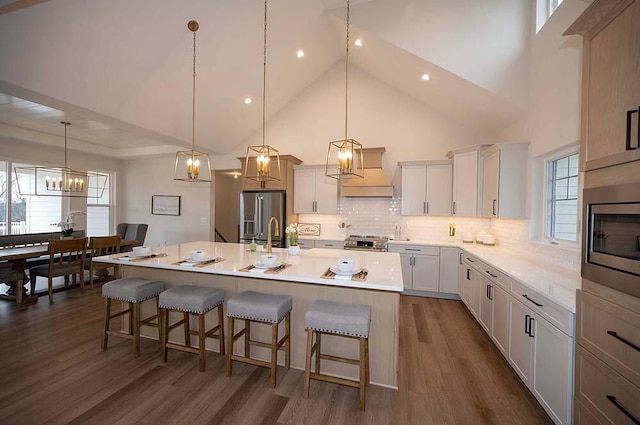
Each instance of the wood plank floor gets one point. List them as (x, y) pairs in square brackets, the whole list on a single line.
[(52, 371)]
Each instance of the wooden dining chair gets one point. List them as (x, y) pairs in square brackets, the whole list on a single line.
[(99, 246), (66, 258)]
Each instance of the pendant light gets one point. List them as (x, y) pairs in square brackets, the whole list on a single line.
[(60, 181), (191, 165), (344, 158), (262, 162)]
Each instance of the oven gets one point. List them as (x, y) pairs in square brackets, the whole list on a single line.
[(611, 254)]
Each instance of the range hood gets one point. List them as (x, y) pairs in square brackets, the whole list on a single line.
[(375, 183)]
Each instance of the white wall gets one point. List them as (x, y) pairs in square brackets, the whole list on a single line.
[(485, 42), (142, 178), (379, 115)]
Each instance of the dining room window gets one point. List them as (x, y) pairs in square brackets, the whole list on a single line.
[(99, 209)]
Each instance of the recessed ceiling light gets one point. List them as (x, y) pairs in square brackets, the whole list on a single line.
[(300, 54), (425, 77), (358, 43), (247, 100)]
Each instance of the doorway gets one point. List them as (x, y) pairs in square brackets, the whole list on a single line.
[(228, 186)]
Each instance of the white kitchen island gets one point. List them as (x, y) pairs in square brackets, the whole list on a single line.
[(303, 282)]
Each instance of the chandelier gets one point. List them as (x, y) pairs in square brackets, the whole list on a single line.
[(258, 162), (60, 181), (189, 163)]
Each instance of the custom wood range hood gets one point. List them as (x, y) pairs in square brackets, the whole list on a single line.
[(375, 183)]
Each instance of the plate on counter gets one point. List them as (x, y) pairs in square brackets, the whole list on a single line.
[(353, 271), (270, 266), (191, 261)]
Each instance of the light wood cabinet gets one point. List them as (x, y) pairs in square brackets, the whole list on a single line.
[(610, 83), (286, 174), (427, 188), (314, 192), (504, 180)]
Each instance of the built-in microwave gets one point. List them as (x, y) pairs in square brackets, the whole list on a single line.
[(611, 254)]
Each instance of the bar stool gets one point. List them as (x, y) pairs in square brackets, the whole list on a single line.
[(196, 300), (133, 291), (260, 308), (351, 321)]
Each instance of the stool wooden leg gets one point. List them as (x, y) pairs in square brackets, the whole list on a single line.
[(221, 331), (230, 338), (164, 330), (107, 314), (318, 341), (136, 328), (287, 348), (307, 367), (201, 332), (274, 353), (247, 338), (363, 372), (187, 333), (367, 359)]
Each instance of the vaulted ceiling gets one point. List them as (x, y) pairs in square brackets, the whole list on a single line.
[(121, 71)]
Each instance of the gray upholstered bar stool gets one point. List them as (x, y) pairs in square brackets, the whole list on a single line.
[(133, 291), (352, 321), (261, 308), (197, 300)]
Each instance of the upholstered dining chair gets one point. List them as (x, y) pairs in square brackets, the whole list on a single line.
[(132, 232), (66, 258), (99, 246)]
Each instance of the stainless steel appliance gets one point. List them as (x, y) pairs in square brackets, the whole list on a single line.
[(256, 208), (366, 243), (612, 237)]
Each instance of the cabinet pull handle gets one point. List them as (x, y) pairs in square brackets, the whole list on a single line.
[(613, 400), (488, 292), (412, 249), (530, 300), (427, 207), (460, 258), (527, 324), (491, 292), (424, 207), (454, 207), (626, 341), (468, 271), (629, 119), (531, 319), (469, 259), (491, 274), (494, 207)]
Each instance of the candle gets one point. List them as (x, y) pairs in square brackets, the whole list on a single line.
[(46, 182), (60, 183), (75, 184), (81, 185)]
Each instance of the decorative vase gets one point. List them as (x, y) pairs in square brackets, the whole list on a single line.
[(294, 249)]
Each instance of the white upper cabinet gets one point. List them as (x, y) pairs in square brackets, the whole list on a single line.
[(465, 184), (314, 192), (504, 180), (427, 188)]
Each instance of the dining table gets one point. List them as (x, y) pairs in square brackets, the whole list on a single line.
[(18, 257)]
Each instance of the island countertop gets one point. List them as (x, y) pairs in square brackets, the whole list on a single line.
[(384, 269)]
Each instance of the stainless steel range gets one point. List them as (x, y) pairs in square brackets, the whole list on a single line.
[(366, 243)]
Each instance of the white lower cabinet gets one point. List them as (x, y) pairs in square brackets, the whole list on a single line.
[(427, 268), (449, 261), (320, 243), (500, 329), (471, 287), (542, 355)]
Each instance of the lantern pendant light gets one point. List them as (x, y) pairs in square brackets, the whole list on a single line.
[(191, 165), (344, 158), (265, 158)]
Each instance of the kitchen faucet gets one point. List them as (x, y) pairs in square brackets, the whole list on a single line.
[(277, 233)]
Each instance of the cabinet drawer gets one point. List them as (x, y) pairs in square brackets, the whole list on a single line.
[(611, 398), (582, 415), (494, 274), (558, 316), (610, 332), (415, 249), (329, 244), (305, 243)]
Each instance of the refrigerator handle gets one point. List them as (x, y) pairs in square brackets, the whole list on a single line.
[(258, 217)]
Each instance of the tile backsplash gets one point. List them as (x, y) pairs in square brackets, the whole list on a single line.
[(381, 216)]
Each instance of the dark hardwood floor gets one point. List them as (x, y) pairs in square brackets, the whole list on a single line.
[(52, 371)]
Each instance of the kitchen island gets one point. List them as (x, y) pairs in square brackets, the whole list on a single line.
[(302, 280)]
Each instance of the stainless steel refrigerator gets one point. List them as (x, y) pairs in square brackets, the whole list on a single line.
[(256, 209)]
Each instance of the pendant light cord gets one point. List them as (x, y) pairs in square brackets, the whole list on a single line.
[(346, 77), (193, 100), (264, 74)]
